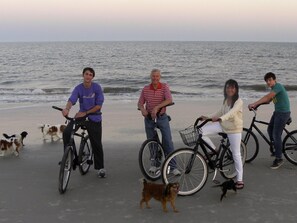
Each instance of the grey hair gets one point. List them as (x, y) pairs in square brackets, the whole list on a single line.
[(155, 71)]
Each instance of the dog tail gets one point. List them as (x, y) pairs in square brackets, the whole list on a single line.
[(7, 136), (143, 180)]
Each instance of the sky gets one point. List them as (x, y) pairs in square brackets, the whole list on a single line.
[(148, 20)]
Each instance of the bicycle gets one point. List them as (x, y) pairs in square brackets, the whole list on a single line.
[(252, 143), (70, 159), (194, 166), (151, 154)]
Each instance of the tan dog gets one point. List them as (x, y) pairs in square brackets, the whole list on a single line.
[(160, 192)]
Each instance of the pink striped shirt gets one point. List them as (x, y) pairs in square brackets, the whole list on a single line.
[(152, 97)]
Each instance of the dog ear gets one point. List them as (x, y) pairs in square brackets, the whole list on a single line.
[(167, 189)]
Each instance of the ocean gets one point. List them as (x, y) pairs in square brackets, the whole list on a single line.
[(46, 72)]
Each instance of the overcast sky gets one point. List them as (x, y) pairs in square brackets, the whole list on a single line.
[(152, 20)]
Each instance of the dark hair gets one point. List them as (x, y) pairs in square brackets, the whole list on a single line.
[(89, 69), (269, 75), (232, 83)]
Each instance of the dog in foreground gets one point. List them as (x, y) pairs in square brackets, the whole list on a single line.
[(227, 185), (161, 192), (52, 131), (12, 143)]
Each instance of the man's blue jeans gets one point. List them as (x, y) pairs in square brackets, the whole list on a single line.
[(275, 129), (163, 124)]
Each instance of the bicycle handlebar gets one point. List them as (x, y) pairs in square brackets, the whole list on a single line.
[(254, 109), (161, 107), (71, 119), (203, 123)]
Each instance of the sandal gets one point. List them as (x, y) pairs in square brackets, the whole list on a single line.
[(239, 185)]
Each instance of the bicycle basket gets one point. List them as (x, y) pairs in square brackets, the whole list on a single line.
[(189, 135)]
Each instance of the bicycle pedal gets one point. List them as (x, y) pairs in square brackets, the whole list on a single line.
[(216, 181), (89, 162)]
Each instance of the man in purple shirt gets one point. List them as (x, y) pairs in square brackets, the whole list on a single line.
[(91, 98)]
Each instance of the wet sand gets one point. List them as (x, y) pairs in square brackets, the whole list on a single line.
[(29, 191)]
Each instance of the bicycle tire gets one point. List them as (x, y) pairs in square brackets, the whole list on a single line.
[(252, 144), (85, 155), (65, 169), (151, 153), (290, 147), (227, 166), (191, 182)]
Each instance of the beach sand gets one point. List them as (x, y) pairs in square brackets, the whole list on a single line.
[(29, 191)]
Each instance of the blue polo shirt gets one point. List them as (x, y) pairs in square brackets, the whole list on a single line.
[(88, 98)]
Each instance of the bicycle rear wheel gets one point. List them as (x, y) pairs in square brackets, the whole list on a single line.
[(290, 147), (193, 169), (151, 156), (65, 169), (85, 155), (227, 166), (252, 144)]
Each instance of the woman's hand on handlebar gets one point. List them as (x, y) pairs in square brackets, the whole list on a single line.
[(216, 119)]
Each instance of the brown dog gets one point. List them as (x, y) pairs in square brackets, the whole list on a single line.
[(160, 192)]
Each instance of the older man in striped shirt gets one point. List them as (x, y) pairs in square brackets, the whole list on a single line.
[(152, 101)]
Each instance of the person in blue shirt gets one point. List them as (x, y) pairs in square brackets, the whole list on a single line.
[(280, 117), (91, 98)]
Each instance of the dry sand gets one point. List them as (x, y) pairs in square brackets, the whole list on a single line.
[(29, 193)]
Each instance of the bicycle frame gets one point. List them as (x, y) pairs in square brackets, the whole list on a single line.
[(213, 164), (253, 125)]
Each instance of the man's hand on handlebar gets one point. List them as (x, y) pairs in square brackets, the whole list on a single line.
[(80, 114), (65, 112), (252, 106)]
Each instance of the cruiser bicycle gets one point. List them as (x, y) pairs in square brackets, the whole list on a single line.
[(70, 159), (194, 164)]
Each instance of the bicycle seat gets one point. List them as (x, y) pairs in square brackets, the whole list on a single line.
[(83, 127), (289, 121), (224, 135)]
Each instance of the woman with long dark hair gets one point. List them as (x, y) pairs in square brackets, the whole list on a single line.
[(228, 119)]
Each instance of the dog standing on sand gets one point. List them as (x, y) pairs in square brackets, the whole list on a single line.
[(12, 143), (52, 131), (161, 192), (227, 185)]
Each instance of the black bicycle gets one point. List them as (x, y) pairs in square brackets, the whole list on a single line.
[(151, 154), (70, 159), (194, 165), (252, 143)]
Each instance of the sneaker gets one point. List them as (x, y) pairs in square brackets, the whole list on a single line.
[(176, 172), (154, 169), (101, 173), (277, 163)]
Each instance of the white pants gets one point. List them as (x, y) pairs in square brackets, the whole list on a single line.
[(235, 141)]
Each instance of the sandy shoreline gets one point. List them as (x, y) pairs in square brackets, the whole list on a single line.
[(29, 182), (121, 120)]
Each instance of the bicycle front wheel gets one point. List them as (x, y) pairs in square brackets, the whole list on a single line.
[(65, 169), (85, 155), (227, 165), (192, 167), (252, 144), (151, 156), (290, 147)]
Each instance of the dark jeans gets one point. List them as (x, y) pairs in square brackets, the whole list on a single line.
[(275, 129), (95, 133)]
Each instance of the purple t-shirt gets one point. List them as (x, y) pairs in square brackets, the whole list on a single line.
[(88, 98)]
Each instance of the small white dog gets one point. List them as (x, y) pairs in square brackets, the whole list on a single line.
[(52, 131), (12, 144)]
